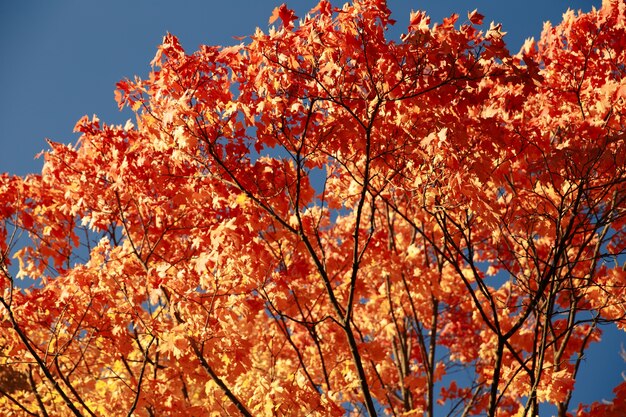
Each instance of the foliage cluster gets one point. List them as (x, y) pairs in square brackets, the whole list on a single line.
[(323, 221)]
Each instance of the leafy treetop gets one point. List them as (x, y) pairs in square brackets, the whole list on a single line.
[(324, 221)]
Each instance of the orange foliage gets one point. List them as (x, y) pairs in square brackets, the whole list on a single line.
[(325, 220)]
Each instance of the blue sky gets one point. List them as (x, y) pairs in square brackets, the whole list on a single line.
[(61, 60)]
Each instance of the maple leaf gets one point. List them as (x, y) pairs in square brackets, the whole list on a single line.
[(286, 15), (475, 17)]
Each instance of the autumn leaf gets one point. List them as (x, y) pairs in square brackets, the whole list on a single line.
[(286, 15), (475, 17)]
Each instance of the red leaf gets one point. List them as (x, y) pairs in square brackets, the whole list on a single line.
[(286, 15), (475, 17)]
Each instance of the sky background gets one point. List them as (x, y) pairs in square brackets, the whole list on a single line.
[(61, 59)]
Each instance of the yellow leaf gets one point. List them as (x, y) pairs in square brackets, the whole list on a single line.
[(241, 199)]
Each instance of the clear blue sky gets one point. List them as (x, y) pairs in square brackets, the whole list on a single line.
[(61, 60)]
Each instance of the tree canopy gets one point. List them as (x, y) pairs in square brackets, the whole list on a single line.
[(323, 221)]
